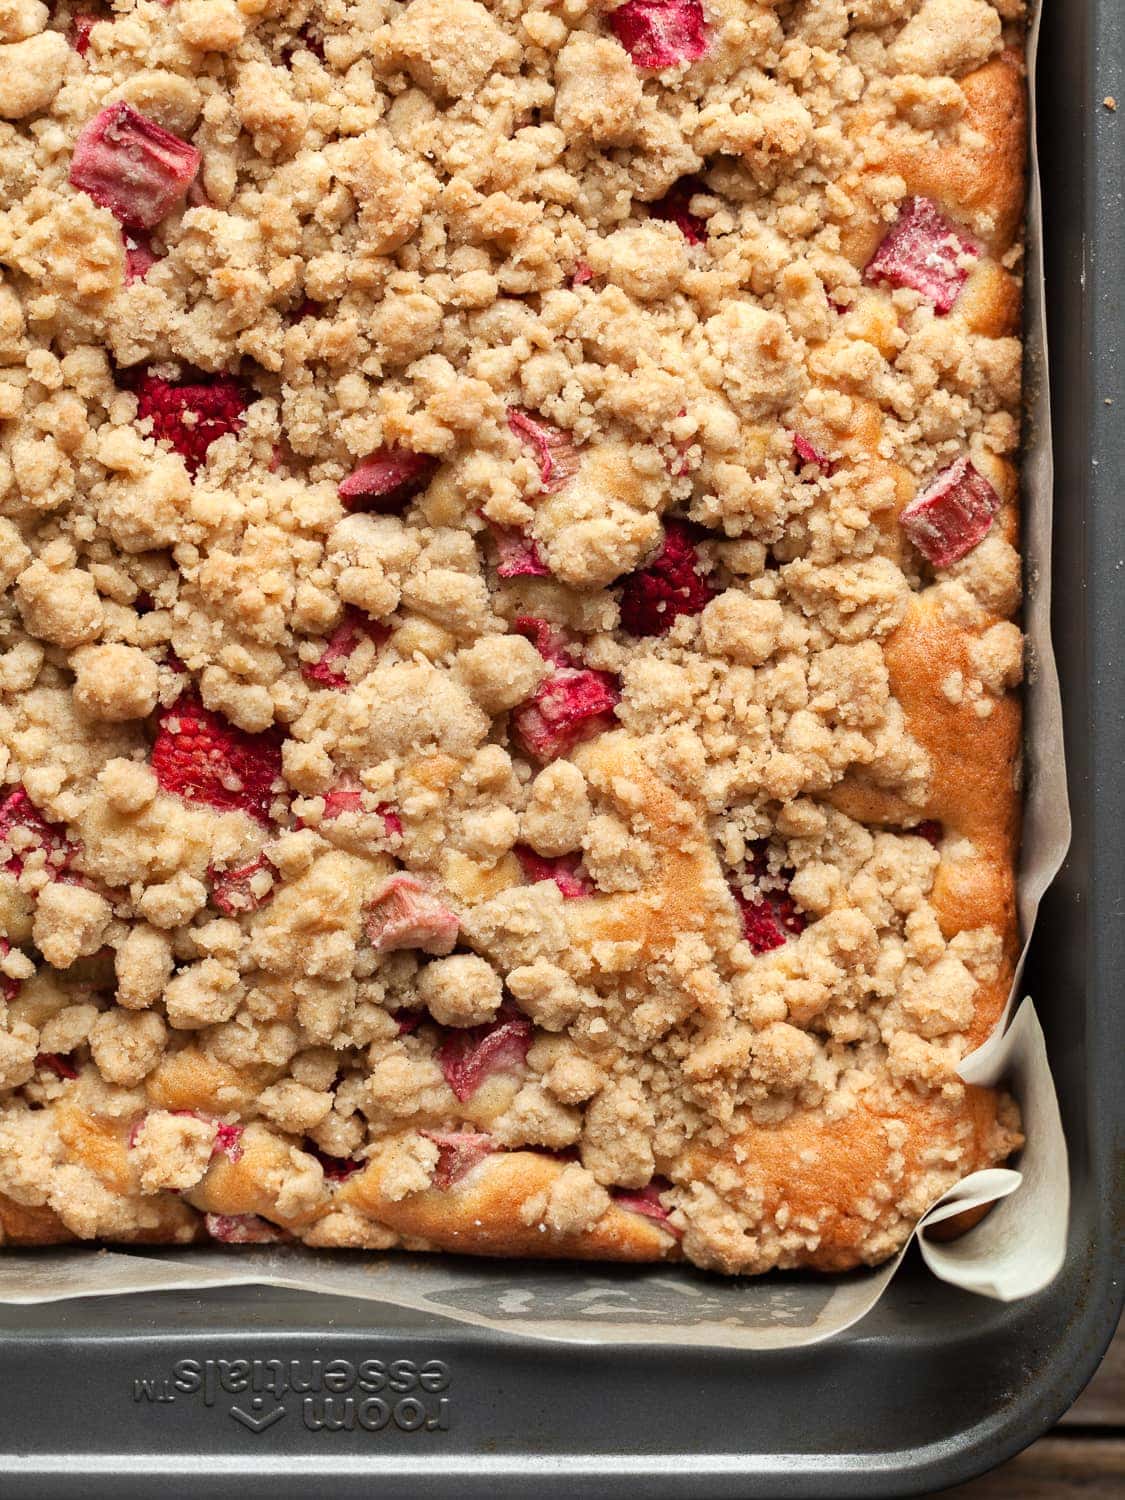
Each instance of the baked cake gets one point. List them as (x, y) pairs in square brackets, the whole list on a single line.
[(508, 533)]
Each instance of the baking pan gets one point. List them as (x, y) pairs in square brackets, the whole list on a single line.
[(283, 1393)]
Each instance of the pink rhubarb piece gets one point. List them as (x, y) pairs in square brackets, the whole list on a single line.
[(405, 914), (468, 1057), (770, 916), (952, 514), (459, 1151), (140, 257), (133, 166), (673, 584), (554, 450), (236, 892), (200, 757), (646, 1201), (56, 1063), (330, 668), (549, 640), (335, 1168), (242, 1229), (807, 453), (191, 415), (387, 480), (569, 706), (566, 870), (17, 811), (930, 830), (81, 28), (661, 33), (675, 208), (517, 554), (925, 252)]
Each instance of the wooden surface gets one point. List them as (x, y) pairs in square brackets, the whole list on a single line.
[(1083, 1456)]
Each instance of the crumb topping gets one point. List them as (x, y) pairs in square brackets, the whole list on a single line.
[(508, 549)]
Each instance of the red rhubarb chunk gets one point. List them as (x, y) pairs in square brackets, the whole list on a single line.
[(646, 1201), (243, 890), (675, 208), (387, 480), (335, 1168), (242, 1229), (228, 1140), (952, 514), (769, 913), (459, 1151), (517, 554), (57, 1064), (568, 707), (661, 33), (132, 166), (551, 642), (468, 1057), (807, 453), (193, 415), (24, 829), (140, 257), (582, 273), (408, 1022), (673, 584), (80, 33), (567, 871), (330, 668), (554, 449), (202, 758), (924, 251), (930, 830), (341, 800), (404, 914)]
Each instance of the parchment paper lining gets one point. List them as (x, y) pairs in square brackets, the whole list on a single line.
[(1017, 1249)]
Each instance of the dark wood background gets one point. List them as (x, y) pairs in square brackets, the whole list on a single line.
[(1083, 1456)]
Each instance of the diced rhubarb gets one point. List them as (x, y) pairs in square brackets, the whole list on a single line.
[(24, 830), (245, 889), (554, 450), (517, 554), (81, 28), (673, 584), (568, 707), (925, 252), (582, 273), (646, 1201), (228, 1140), (675, 208), (200, 757), (330, 668), (769, 913), (391, 820), (952, 515), (387, 480), (930, 830), (139, 255), (566, 870), (341, 800), (807, 453), (459, 1151), (242, 1229), (405, 914), (549, 640), (56, 1063), (133, 166), (408, 1022), (335, 1168), (661, 33), (191, 415), (468, 1057)]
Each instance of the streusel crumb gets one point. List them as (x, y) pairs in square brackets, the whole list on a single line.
[(508, 662)]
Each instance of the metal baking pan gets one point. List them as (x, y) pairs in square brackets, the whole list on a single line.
[(284, 1394)]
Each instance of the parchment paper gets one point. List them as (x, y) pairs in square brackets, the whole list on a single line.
[(1016, 1250)]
